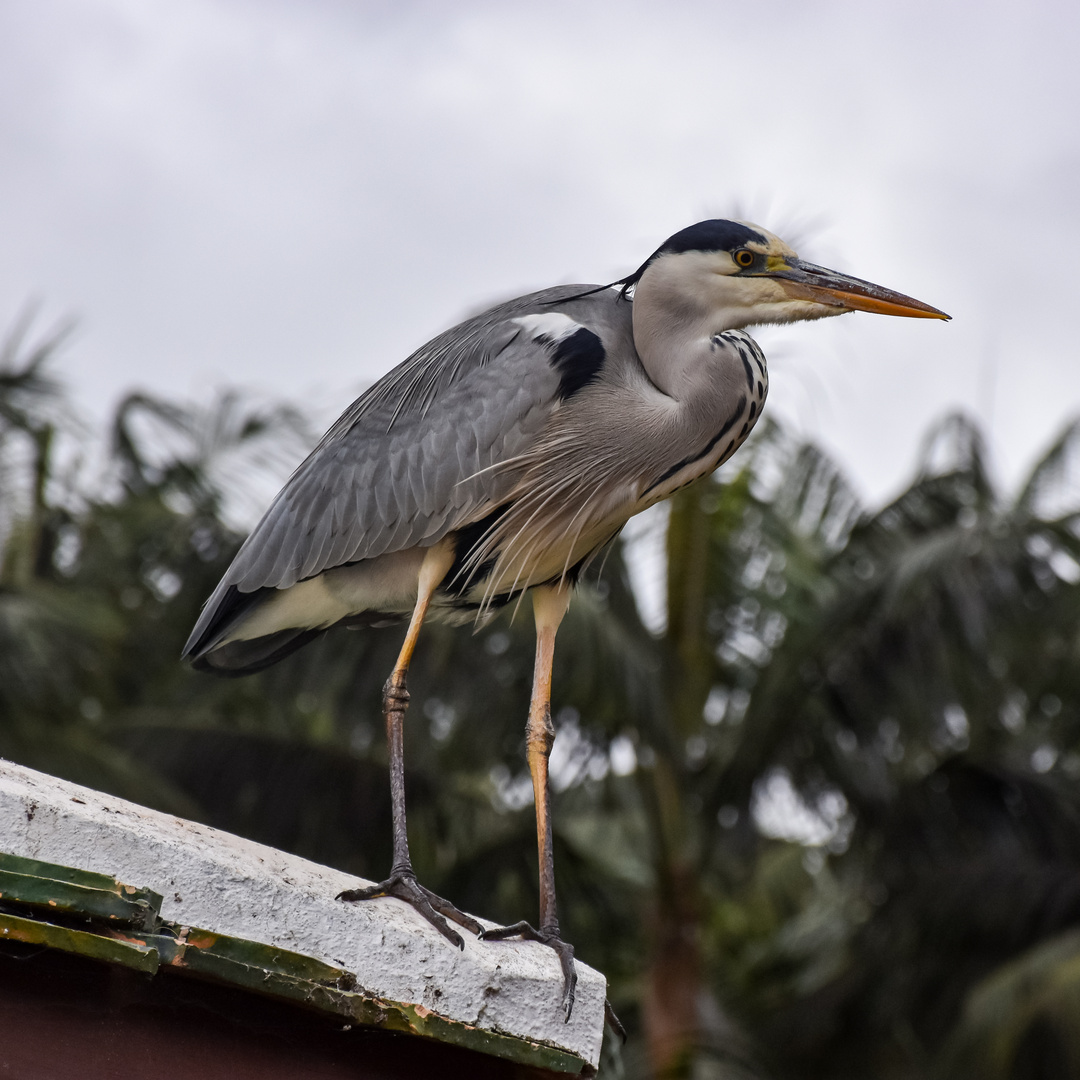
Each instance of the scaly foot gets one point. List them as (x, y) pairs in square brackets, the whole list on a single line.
[(549, 936), (403, 885)]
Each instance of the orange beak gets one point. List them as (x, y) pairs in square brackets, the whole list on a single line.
[(805, 281)]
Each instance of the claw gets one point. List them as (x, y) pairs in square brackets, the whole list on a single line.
[(613, 1021), (403, 885), (548, 936)]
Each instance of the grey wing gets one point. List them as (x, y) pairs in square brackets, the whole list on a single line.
[(419, 454), (379, 486)]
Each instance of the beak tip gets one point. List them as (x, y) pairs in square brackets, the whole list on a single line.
[(817, 284)]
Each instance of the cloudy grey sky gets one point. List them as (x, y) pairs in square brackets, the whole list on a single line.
[(291, 196)]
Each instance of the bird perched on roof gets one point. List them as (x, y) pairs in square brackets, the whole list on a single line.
[(500, 457)]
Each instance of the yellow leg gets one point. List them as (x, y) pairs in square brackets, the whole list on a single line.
[(396, 698), (433, 569), (402, 881), (549, 606)]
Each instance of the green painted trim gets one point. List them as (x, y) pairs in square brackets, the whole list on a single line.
[(75, 899), (131, 934), (282, 974), (418, 1020), (81, 892), (35, 868), (194, 942), (126, 953)]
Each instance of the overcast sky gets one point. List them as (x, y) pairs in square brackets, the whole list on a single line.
[(291, 196)]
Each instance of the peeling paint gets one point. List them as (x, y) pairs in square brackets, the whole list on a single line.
[(268, 970), (219, 888)]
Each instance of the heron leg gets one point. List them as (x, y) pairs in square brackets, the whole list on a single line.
[(549, 607), (402, 881)]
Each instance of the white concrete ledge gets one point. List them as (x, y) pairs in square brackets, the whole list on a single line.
[(222, 883)]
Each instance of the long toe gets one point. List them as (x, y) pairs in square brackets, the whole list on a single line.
[(548, 936), (613, 1021), (519, 929), (404, 886), (444, 907)]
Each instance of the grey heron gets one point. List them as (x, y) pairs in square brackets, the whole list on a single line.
[(499, 458)]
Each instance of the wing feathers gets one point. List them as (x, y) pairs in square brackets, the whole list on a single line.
[(428, 449)]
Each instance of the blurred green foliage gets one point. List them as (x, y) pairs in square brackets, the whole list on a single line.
[(818, 819)]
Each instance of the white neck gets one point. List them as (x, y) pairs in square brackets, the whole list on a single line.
[(675, 318), (682, 301)]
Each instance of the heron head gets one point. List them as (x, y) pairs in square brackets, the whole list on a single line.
[(752, 276)]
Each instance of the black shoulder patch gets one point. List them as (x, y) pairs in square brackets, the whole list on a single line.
[(578, 359)]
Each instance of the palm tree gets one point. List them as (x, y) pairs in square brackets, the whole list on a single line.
[(46, 639), (921, 702), (777, 803)]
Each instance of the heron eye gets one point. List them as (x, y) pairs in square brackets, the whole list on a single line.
[(743, 257)]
